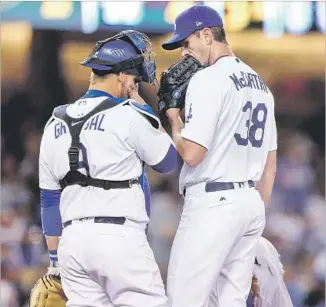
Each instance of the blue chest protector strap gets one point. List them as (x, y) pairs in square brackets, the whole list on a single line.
[(74, 176)]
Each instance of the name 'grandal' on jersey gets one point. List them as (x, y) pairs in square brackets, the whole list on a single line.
[(249, 80)]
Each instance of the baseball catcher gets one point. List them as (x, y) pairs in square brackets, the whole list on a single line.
[(92, 197), (174, 82)]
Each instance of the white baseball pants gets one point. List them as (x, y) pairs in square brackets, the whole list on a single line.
[(109, 265), (212, 256)]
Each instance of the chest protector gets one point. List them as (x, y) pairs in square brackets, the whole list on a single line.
[(75, 125)]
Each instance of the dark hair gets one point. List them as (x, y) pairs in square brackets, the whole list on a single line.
[(218, 34), (100, 73)]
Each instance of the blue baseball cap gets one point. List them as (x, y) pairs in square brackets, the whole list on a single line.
[(195, 18)]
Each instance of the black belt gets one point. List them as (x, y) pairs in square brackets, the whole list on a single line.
[(119, 220), (75, 177), (221, 186)]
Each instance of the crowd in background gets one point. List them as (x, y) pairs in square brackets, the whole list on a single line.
[(295, 217)]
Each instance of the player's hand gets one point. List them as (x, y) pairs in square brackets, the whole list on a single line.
[(174, 83), (53, 270), (133, 94), (173, 114)]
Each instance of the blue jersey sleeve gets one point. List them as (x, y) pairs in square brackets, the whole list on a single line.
[(50, 213)]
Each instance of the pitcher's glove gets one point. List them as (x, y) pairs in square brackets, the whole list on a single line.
[(47, 292), (174, 82)]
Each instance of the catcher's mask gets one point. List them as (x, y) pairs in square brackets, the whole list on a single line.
[(129, 51)]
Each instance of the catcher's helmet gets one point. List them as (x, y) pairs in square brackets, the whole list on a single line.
[(128, 51)]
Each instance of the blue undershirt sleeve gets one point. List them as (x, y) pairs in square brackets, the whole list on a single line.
[(168, 163), (50, 213)]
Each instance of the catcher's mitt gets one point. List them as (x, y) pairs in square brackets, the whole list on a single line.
[(47, 292), (174, 82)]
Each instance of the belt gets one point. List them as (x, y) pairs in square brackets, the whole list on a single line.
[(119, 220), (218, 186), (75, 177)]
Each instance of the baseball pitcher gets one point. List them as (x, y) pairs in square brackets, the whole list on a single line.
[(228, 144), (91, 161)]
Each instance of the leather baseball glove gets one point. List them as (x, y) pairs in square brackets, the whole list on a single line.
[(47, 292), (174, 82)]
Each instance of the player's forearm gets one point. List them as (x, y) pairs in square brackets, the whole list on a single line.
[(52, 242), (184, 146), (176, 127), (51, 222), (265, 187), (191, 153), (265, 184)]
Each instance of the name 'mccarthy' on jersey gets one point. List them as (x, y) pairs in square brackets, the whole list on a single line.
[(114, 143), (230, 111)]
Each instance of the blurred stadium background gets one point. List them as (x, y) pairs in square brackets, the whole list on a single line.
[(41, 45)]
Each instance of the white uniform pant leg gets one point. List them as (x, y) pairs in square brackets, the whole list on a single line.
[(234, 282), (137, 276), (109, 265), (211, 227), (80, 289)]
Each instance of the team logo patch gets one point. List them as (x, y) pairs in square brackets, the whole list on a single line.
[(114, 52), (176, 94)]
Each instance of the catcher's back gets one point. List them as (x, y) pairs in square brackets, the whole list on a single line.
[(47, 292)]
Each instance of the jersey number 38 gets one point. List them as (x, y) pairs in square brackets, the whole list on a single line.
[(255, 125)]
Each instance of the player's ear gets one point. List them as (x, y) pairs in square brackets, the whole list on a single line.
[(121, 77), (208, 36)]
